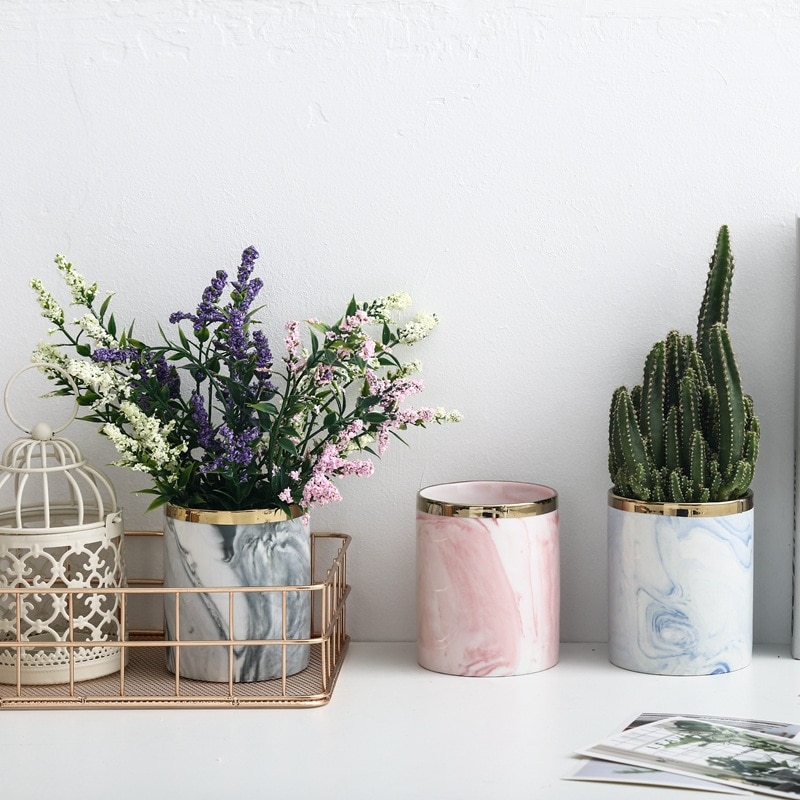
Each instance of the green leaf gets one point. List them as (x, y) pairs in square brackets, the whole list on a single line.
[(328, 357), (157, 503), (83, 350), (182, 337), (288, 446), (264, 407), (396, 436), (112, 325), (104, 306)]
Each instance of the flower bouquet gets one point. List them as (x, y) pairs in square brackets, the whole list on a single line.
[(211, 418)]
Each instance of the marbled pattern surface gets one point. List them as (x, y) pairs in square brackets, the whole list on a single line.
[(268, 554), (680, 592), (487, 594)]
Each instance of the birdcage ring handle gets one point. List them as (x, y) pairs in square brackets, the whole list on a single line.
[(32, 431)]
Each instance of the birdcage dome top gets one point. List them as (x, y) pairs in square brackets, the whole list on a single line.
[(46, 484)]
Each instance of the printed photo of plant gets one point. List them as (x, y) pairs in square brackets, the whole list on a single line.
[(721, 753)]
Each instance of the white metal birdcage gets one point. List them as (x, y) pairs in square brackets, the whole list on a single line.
[(60, 528)]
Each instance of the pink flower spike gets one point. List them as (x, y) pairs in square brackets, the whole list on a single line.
[(352, 431), (354, 322), (367, 349), (383, 438), (292, 339), (319, 490), (411, 416)]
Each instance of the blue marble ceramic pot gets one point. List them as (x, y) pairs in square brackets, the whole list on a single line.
[(680, 580), (206, 549)]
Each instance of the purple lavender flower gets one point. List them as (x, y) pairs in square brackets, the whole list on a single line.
[(235, 450), (211, 466), (205, 432), (207, 311), (114, 355), (237, 341), (237, 446), (247, 289), (252, 289), (249, 256), (179, 316), (159, 368), (263, 353), (214, 290), (323, 374), (263, 361)]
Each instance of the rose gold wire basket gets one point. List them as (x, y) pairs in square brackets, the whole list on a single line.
[(143, 680)]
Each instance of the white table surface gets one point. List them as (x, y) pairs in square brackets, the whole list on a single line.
[(391, 730)]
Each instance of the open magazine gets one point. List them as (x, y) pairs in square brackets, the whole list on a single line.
[(721, 754)]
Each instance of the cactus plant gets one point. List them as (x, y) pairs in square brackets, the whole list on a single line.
[(688, 434)]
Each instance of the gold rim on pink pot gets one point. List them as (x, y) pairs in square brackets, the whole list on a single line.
[(473, 499)]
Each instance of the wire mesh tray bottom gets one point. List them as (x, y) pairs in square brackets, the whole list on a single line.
[(148, 684)]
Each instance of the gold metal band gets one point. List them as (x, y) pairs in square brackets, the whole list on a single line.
[(719, 509), (247, 517), (500, 511)]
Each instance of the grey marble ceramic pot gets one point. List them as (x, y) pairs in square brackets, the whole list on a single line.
[(680, 580), (211, 549)]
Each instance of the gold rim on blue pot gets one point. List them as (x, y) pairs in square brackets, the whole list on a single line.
[(722, 508)]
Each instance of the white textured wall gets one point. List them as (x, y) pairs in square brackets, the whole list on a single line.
[(549, 177)]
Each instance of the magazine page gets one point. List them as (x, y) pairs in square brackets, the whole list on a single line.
[(722, 754), (612, 772)]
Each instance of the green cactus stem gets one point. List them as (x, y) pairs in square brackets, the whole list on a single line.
[(729, 393), (716, 299), (652, 402), (688, 433), (630, 457)]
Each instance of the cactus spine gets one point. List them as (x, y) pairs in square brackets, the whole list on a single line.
[(688, 434)]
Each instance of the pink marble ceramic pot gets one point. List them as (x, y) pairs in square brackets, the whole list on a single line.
[(487, 578)]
